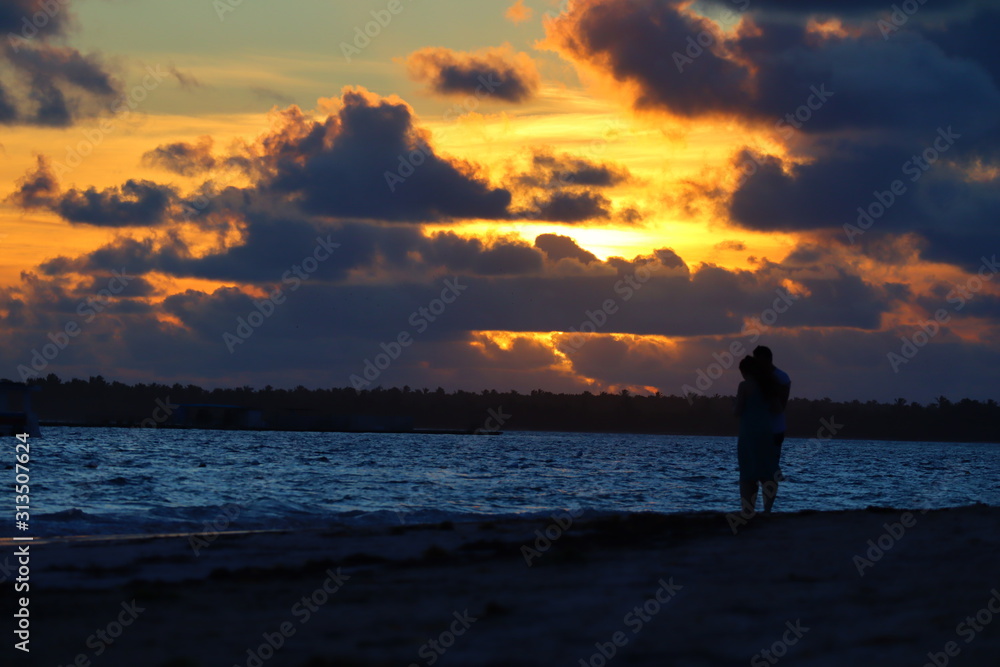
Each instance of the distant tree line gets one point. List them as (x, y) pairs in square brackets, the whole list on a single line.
[(99, 402)]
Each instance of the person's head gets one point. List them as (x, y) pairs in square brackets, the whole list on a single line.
[(748, 367), (763, 355)]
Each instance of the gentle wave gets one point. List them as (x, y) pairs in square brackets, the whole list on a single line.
[(126, 481)]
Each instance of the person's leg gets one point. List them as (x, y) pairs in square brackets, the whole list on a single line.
[(769, 490), (779, 438), (748, 497)]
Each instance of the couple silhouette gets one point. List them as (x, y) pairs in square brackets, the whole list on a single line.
[(760, 404)]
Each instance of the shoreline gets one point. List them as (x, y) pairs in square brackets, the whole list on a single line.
[(476, 431), (542, 591)]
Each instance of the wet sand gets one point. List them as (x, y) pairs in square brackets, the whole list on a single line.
[(808, 588)]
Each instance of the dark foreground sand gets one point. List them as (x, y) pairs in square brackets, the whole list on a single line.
[(644, 589)]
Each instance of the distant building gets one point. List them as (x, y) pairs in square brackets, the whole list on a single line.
[(16, 413), (380, 423), (299, 419), (209, 415)]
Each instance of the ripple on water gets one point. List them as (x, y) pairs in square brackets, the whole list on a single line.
[(96, 472)]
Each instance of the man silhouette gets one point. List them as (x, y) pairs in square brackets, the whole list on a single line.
[(784, 384)]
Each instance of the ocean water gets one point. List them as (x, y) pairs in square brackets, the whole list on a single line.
[(105, 481)]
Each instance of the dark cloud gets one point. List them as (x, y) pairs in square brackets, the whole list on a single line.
[(571, 207), (669, 300), (331, 322), (137, 203), (46, 84), (8, 110), (369, 161), (186, 159), (186, 81), (867, 106), (38, 188), (137, 255), (810, 196), (273, 96), (805, 254), (822, 363), (903, 86), (65, 64), (136, 287), (30, 19), (739, 246), (134, 204), (564, 170), (556, 247), (618, 36), (272, 247), (470, 255), (763, 74), (709, 301), (669, 258), (971, 38), (347, 323), (852, 10), (563, 188), (489, 73), (852, 195)]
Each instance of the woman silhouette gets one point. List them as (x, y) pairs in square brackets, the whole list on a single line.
[(756, 401)]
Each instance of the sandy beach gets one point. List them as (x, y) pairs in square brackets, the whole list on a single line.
[(875, 587)]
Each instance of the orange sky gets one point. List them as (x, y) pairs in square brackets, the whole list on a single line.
[(681, 171)]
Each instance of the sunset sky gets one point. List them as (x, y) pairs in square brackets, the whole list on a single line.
[(260, 192)]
